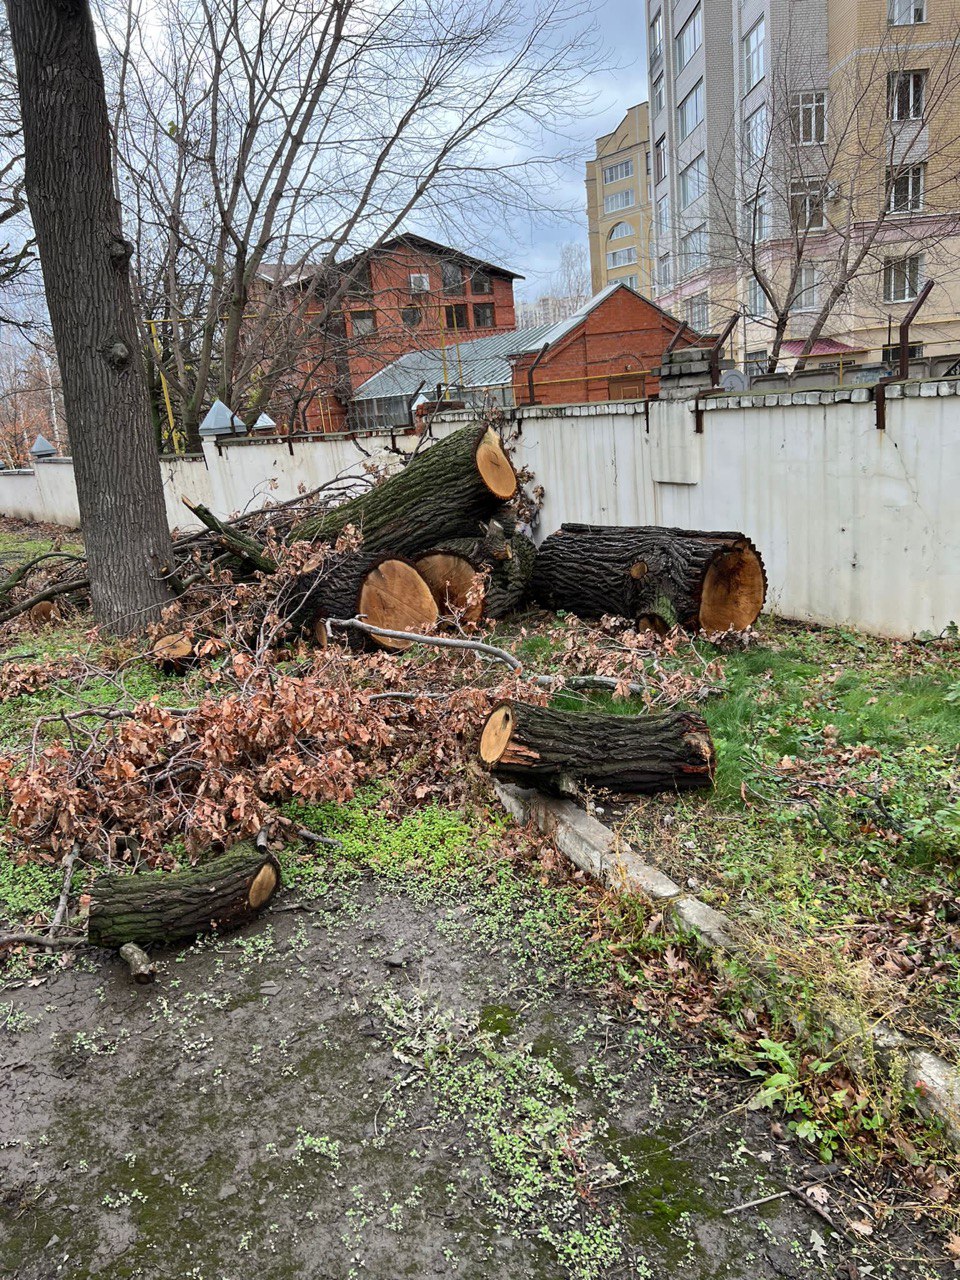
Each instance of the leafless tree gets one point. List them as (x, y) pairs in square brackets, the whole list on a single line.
[(838, 195), (296, 133)]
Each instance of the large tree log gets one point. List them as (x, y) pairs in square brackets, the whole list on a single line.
[(451, 570), (169, 907), (626, 755), (449, 487), (671, 577), (384, 590), (510, 579)]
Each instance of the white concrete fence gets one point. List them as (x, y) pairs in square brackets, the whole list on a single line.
[(857, 526)]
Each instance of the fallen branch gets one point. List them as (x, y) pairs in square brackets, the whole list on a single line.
[(61, 910), (22, 571), (245, 547), (142, 969), (41, 940), (50, 593)]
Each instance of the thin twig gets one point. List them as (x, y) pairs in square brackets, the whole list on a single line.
[(61, 910)]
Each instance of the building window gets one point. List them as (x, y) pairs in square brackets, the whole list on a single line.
[(901, 278), (360, 285), (663, 216), (806, 206), (656, 37), (698, 312), (419, 282), (690, 111), (363, 323), (617, 172), (905, 189), (619, 200), (906, 13), (455, 316), (805, 290), (891, 355), (452, 277), (755, 135), (621, 231), (481, 283), (906, 91), (693, 250), (664, 272), (756, 361), (411, 316), (756, 299), (690, 39), (658, 95), (632, 282), (809, 111), (621, 257), (660, 160), (693, 181), (755, 219), (483, 317), (753, 56)]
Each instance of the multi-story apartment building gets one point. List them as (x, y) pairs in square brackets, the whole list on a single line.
[(618, 204), (806, 161)]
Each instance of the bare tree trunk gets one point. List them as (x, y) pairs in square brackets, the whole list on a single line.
[(85, 262)]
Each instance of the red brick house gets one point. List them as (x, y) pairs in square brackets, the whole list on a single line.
[(608, 350)]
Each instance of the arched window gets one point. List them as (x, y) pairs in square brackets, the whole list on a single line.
[(621, 230)]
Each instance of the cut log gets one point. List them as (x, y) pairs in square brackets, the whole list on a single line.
[(663, 577), (173, 652), (510, 579), (384, 590), (222, 894), (449, 487), (626, 755), (455, 584)]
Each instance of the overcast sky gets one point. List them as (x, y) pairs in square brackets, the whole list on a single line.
[(533, 249)]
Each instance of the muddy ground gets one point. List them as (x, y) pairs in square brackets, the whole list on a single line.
[(373, 1087)]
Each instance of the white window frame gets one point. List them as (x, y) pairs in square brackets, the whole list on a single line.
[(693, 251), (664, 272), (756, 229), (807, 288), (625, 199), (660, 159), (697, 309), (906, 13), (902, 278), (692, 102), (632, 282), (656, 36), (663, 216), (620, 231), (916, 95), (419, 281), (755, 129), (912, 182), (657, 95), (808, 204), (618, 171), (688, 39), (753, 55), (621, 257), (757, 300), (809, 108), (693, 181)]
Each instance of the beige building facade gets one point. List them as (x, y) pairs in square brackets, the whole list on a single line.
[(618, 205), (807, 173)]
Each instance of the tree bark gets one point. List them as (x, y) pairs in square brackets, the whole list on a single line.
[(385, 591), (663, 577), (85, 261), (453, 485), (169, 907), (626, 755)]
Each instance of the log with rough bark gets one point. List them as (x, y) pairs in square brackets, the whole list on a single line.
[(626, 755), (221, 894), (385, 590), (660, 577), (451, 572), (449, 487), (510, 578)]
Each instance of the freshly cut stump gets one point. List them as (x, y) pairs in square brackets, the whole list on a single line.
[(659, 577), (452, 580), (160, 908), (449, 487), (626, 755)]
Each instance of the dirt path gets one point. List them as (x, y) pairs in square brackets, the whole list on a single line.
[(365, 1090)]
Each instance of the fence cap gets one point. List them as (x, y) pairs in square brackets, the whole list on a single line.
[(264, 423), (42, 448), (221, 421)]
